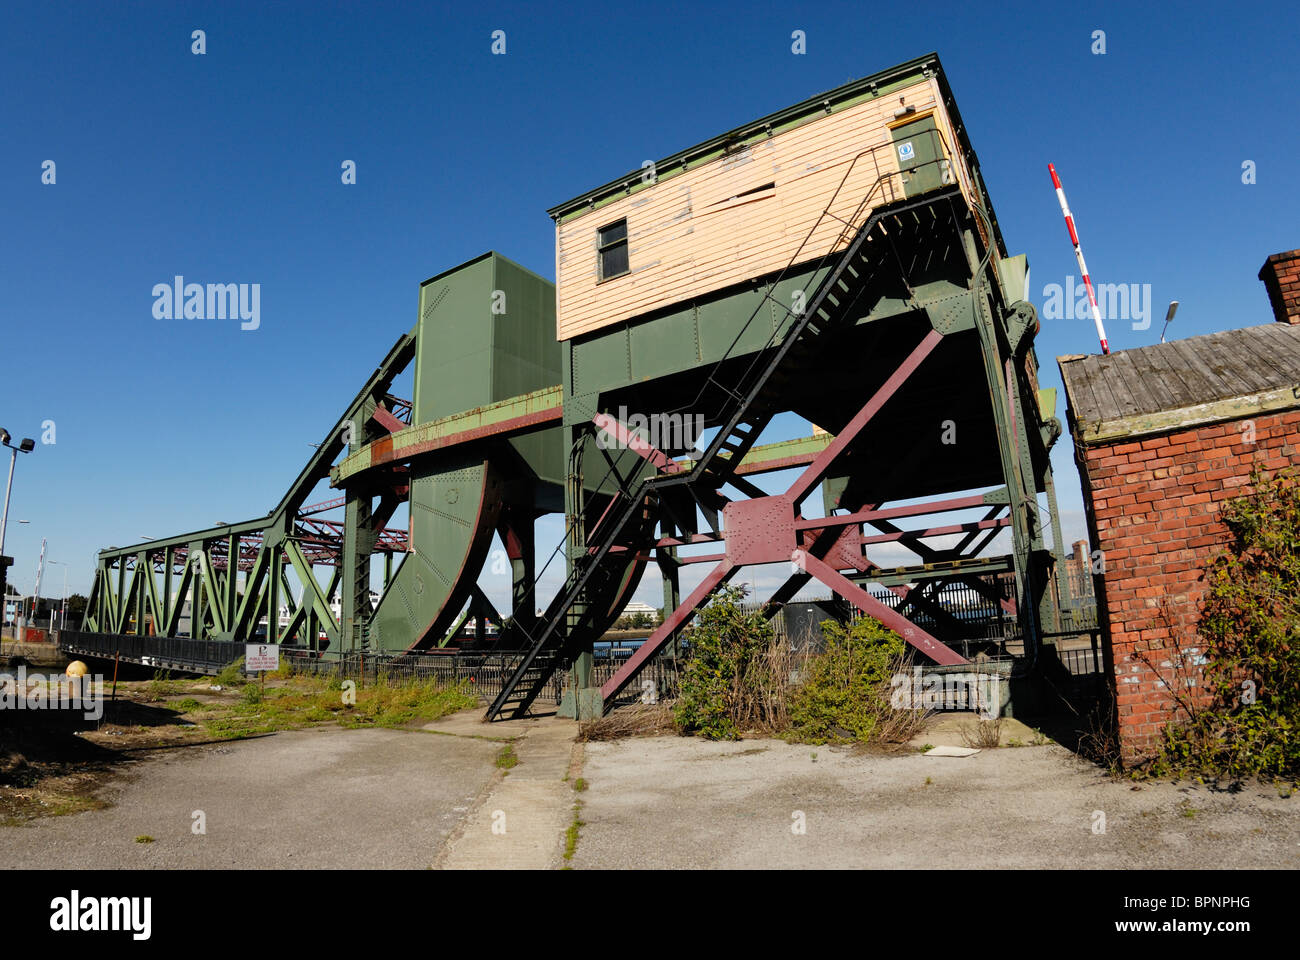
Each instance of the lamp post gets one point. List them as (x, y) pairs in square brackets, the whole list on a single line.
[(26, 445), (1169, 318)]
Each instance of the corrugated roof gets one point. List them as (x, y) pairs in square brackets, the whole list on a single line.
[(1167, 386)]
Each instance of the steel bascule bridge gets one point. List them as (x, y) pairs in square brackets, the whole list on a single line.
[(892, 317)]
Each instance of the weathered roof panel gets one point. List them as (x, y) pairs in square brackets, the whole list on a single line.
[(1168, 386)]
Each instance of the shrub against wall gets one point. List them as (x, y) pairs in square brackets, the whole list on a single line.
[(1251, 629)]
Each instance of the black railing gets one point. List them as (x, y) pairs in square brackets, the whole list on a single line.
[(483, 673), (170, 653)]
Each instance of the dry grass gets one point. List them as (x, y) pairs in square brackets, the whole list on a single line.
[(638, 720), (760, 695), (983, 734), (898, 727)]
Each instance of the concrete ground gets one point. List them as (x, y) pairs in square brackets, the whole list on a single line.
[(678, 803), (330, 797), (319, 798), (521, 822)]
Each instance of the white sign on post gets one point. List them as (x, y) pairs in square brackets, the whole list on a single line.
[(261, 656)]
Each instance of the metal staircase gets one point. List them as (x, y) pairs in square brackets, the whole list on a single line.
[(747, 407)]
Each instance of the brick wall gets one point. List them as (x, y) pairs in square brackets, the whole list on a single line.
[(1154, 514), (1281, 276)]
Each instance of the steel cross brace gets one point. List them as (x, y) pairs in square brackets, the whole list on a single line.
[(769, 529)]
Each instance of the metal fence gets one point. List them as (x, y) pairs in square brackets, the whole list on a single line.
[(659, 679), (1083, 660), (164, 653), (484, 673), (977, 615)]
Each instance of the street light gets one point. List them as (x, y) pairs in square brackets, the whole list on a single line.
[(1169, 318), (26, 445)]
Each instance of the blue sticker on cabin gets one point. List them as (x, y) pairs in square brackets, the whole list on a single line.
[(905, 151)]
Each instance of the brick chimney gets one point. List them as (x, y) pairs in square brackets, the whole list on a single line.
[(1281, 276)]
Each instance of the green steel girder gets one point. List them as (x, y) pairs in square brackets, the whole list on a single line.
[(314, 598), (218, 610), (510, 417)]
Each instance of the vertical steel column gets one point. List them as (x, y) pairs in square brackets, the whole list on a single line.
[(582, 700), (167, 589), (358, 544), (273, 576), (141, 570), (1064, 590), (669, 567), (232, 580), (1009, 419), (196, 590), (358, 538), (520, 544), (119, 601)]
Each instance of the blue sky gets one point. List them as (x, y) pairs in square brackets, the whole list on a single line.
[(226, 167)]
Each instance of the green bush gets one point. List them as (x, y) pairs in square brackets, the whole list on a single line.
[(845, 691), (737, 675), (743, 678), (1250, 626), (232, 674)]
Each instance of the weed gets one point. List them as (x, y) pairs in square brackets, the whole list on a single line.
[(232, 674), (639, 720), (1249, 663), (161, 686), (573, 834), (305, 700), (984, 735), (738, 675), (144, 838), (507, 759), (846, 691)]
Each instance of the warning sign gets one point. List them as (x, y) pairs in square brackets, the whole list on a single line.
[(261, 656), (906, 151)]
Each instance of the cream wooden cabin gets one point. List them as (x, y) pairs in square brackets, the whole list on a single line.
[(771, 194)]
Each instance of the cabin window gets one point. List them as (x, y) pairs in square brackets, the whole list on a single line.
[(611, 246)]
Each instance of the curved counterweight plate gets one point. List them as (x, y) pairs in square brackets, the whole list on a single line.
[(454, 513)]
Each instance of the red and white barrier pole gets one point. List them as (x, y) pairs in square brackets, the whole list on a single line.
[(1078, 255)]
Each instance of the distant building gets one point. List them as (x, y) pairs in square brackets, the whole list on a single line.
[(635, 607)]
